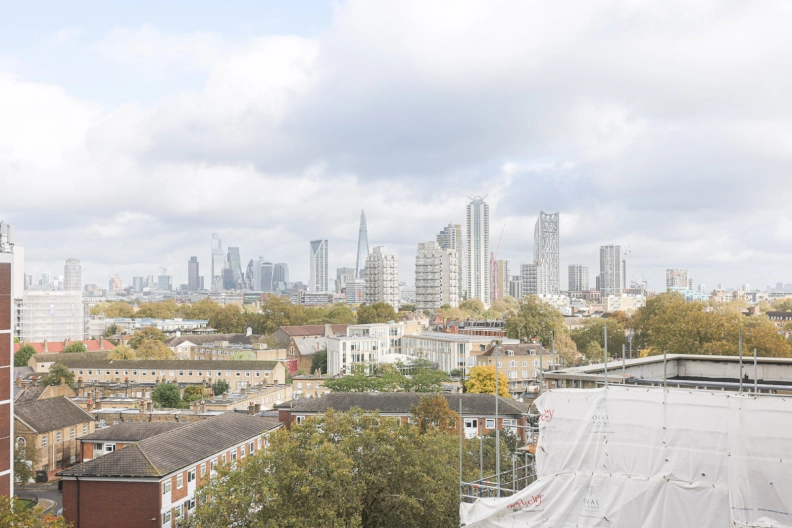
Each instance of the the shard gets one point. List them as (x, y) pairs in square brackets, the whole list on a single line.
[(363, 247)]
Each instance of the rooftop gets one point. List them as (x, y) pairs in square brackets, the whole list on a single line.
[(132, 431), (53, 347), (313, 330), (167, 364), (50, 414)]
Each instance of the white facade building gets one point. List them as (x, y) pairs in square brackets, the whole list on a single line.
[(72, 275), (534, 277), (546, 241), (578, 277), (343, 352), (451, 237), (678, 278), (447, 351), (50, 315), (611, 269), (355, 290), (436, 277), (559, 302), (623, 302), (478, 249), (382, 278), (319, 266)]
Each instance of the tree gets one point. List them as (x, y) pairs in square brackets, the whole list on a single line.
[(220, 387), (243, 355), (166, 309), (229, 320), (113, 310), (594, 330), (782, 305), (203, 309), (166, 395), (58, 372), (270, 340), (340, 313), (472, 308), (122, 352), (378, 312), (24, 460), (593, 353), (407, 308), (622, 317), (111, 330), (143, 334), (357, 381), (433, 412), (482, 381), (319, 361), (456, 373), (535, 318), (74, 346), (153, 349), (566, 349), (193, 393), (424, 377), (14, 513), (354, 469), (23, 355)]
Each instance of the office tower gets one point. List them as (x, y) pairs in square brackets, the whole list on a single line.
[(193, 275), (610, 277), (7, 295), (235, 265), (355, 290), (344, 275), (516, 287), (318, 282), (363, 247), (218, 263), (436, 277), (137, 283), (702, 288), (534, 278), (451, 238), (115, 283), (149, 282), (164, 281), (624, 274), (44, 281), (578, 277), (677, 278), (382, 278), (546, 238), (280, 272), (72, 275), (500, 280), (264, 276), (477, 246)]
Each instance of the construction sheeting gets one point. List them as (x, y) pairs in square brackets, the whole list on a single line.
[(629, 457)]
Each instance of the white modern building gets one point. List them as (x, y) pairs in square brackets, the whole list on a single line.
[(436, 277), (611, 269), (578, 277), (678, 278), (546, 239), (50, 315), (72, 275), (447, 351), (534, 278), (559, 302), (451, 237), (478, 249), (319, 265), (623, 302), (382, 278), (343, 352), (355, 291), (218, 263)]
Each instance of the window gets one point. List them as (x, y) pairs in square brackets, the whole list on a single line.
[(238, 374), (299, 385), (213, 465), (115, 422), (126, 373), (508, 422), (177, 511), (166, 517), (512, 364), (490, 424), (21, 442), (181, 373), (309, 385), (524, 373), (166, 487), (512, 374), (251, 447), (116, 373), (300, 419), (233, 455), (58, 437), (102, 422), (179, 481), (525, 363), (223, 459), (534, 373), (510, 352), (500, 365), (189, 372), (258, 374), (72, 433), (81, 371), (203, 470), (241, 451), (134, 372), (191, 475), (471, 423), (98, 447)]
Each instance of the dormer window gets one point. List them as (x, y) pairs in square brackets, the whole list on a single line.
[(510, 352)]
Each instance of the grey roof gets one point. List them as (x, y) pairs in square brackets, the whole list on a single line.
[(169, 364), (236, 339), (309, 346), (50, 414), (132, 431), (313, 330), (401, 402), (179, 448), (61, 357), (523, 349), (29, 394)]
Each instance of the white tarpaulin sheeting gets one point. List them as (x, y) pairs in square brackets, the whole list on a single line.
[(643, 457)]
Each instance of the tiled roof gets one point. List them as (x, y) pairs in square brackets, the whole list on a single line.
[(132, 431), (236, 339), (29, 394), (73, 356), (167, 364), (50, 414), (308, 346), (179, 448), (523, 349), (313, 330), (401, 402), (57, 346)]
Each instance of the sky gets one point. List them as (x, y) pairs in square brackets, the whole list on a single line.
[(130, 131)]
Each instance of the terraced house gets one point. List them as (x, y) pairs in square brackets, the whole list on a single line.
[(153, 482)]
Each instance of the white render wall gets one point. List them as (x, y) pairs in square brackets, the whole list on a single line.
[(436, 277), (382, 278), (50, 315)]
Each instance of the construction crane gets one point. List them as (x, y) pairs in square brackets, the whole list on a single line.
[(494, 270)]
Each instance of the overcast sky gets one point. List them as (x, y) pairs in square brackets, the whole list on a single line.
[(129, 131)]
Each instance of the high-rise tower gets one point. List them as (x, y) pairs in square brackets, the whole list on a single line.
[(363, 247), (451, 237), (611, 268), (72, 275), (478, 250), (193, 275), (318, 282), (218, 263), (546, 250)]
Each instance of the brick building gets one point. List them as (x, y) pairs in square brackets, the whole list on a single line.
[(117, 437), (153, 482), (478, 410), (53, 426), (284, 334), (6, 366), (522, 364)]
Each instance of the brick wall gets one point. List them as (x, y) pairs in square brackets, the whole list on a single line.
[(117, 504), (6, 364)]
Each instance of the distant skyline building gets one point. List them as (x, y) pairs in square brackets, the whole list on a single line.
[(516, 287), (318, 282), (249, 282), (280, 272), (478, 250), (502, 279), (264, 276), (355, 290), (611, 268), (72, 275), (436, 277), (678, 278), (343, 276), (218, 263), (546, 249), (578, 277), (193, 275), (235, 265), (534, 278), (363, 246), (115, 283), (382, 278), (452, 237)]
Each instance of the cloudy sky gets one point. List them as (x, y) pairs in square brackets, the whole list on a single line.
[(130, 131)]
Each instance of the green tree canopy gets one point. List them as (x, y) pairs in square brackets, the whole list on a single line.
[(319, 361), (23, 355), (220, 387), (74, 346), (58, 372), (535, 318), (143, 334), (203, 309), (193, 393), (113, 310), (482, 381), (122, 352), (166, 395), (594, 330), (24, 461), (228, 320), (153, 349), (433, 412), (340, 313), (14, 513), (378, 312)]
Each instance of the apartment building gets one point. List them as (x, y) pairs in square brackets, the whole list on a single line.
[(436, 277), (522, 364), (7, 294), (382, 278), (447, 351), (50, 315), (161, 473), (125, 434)]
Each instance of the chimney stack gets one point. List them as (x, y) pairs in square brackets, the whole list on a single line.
[(101, 343), (225, 396), (150, 405), (90, 406), (45, 346), (98, 404), (126, 381), (257, 408)]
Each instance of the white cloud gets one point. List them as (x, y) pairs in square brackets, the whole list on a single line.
[(65, 35)]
